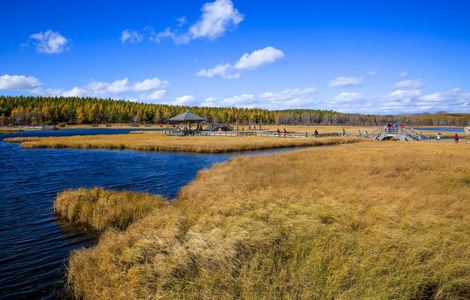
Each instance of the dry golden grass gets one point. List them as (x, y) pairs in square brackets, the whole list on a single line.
[(99, 209), (364, 221), (152, 141)]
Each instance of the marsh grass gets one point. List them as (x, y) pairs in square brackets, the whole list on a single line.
[(363, 221), (100, 209), (151, 141)]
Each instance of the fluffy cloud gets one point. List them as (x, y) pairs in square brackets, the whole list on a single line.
[(409, 84), (247, 61), (150, 84), (217, 17), (18, 82), (347, 97), (343, 81), (151, 89), (183, 100), (131, 36), (49, 42), (258, 57)]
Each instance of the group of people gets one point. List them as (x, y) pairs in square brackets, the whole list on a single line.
[(456, 137), (393, 126)]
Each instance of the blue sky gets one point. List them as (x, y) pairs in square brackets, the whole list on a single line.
[(350, 56)]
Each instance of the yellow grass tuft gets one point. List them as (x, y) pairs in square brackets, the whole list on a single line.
[(99, 209), (364, 221), (151, 141)]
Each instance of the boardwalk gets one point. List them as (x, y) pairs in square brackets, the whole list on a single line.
[(402, 134)]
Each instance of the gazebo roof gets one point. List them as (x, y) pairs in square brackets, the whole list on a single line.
[(187, 117)]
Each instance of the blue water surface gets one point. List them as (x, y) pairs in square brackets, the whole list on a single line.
[(34, 246), (443, 129)]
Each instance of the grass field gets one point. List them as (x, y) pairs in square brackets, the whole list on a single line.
[(151, 141), (363, 221)]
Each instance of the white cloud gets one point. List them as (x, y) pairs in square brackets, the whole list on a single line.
[(18, 82), (156, 95), (169, 33), (183, 100), (343, 81), (75, 92), (131, 36), (246, 62), (347, 97), (409, 84), (246, 100), (287, 98), (403, 74), (404, 94), (435, 97), (49, 42), (259, 57), (222, 70), (150, 84), (216, 18)]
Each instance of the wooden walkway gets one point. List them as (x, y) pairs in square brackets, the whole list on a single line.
[(247, 133)]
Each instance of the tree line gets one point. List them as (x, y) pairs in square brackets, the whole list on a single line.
[(35, 110)]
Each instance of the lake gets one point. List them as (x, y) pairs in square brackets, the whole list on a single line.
[(34, 246)]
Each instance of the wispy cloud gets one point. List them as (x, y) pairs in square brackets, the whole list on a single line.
[(347, 97), (131, 36), (247, 61), (344, 81), (49, 42), (409, 84)]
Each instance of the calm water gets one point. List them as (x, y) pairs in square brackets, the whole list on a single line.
[(443, 129), (34, 247)]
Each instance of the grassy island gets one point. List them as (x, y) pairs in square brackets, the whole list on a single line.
[(100, 209), (153, 141), (364, 221)]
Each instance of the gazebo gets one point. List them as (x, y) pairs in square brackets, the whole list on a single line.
[(187, 117)]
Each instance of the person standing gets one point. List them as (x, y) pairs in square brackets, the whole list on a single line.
[(456, 138), (315, 133), (438, 137)]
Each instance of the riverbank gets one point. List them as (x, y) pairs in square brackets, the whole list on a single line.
[(152, 141), (371, 220)]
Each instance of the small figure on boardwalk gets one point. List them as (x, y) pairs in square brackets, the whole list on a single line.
[(438, 137), (344, 132), (456, 138), (278, 132), (366, 134), (285, 132), (315, 133)]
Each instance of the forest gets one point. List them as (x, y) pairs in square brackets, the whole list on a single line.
[(35, 110)]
